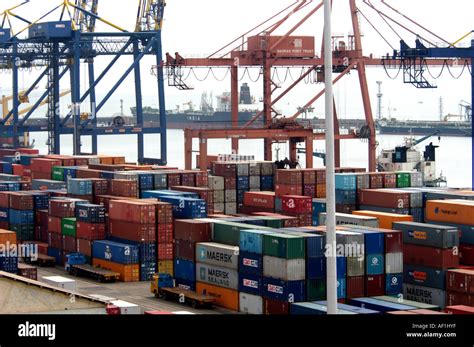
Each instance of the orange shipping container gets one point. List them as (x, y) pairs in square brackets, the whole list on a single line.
[(7, 236), (320, 190), (385, 219), (450, 211), (225, 297), (128, 273)]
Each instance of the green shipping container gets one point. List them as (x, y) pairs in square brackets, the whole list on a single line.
[(58, 173), (403, 180), (229, 232), (284, 246), (68, 226), (24, 232), (271, 222), (315, 290)]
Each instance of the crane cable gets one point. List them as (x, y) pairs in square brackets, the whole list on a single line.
[(368, 3), (376, 30), (386, 70)]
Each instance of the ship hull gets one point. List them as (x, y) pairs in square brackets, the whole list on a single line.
[(418, 130)]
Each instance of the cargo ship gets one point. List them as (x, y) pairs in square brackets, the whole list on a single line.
[(414, 127)]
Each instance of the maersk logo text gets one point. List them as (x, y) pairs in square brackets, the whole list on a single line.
[(37, 330)]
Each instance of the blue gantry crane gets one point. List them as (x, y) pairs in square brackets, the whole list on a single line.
[(414, 64), (59, 48)]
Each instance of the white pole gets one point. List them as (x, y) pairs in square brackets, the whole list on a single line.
[(331, 281)]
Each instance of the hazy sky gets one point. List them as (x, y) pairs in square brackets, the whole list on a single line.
[(199, 27)]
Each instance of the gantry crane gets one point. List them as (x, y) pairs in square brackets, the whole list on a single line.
[(62, 51)]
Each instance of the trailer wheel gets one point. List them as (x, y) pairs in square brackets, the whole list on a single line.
[(164, 296), (194, 304)]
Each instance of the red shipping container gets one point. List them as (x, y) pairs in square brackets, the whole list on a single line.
[(192, 230), (55, 240), (224, 169), (390, 180), (40, 175), (282, 189), (88, 198), (58, 193), (393, 240), (17, 169), (41, 233), (260, 199), (430, 256), (84, 246), (31, 151), (456, 298), (69, 244), (459, 280), (174, 179), (87, 173), (4, 225), (126, 188), (273, 307), (41, 218), (355, 287), (304, 220), (107, 167), (309, 176), (132, 231), (201, 179), (185, 250), (81, 161), (165, 233), (54, 225), (27, 171), (5, 199), (63, 208), (296, 204), (90, 231), (309, 190), (100, 186), (164, 213), (165, 251), (21, 201), (375, 180), (132, 211), (384, 198), (230, 183), (289, 177), (44, 165), (466, 254), (375, 285), (459, 309), (320, 176)]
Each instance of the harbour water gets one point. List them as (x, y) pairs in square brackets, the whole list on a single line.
[(453, 154)]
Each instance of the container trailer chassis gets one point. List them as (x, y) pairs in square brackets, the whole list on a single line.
[(97, 273), (42, 260), (185, 296)]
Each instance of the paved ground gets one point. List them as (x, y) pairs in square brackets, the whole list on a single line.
[(135, 292)]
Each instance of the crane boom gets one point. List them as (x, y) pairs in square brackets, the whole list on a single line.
[(150, 15), (86, 22)]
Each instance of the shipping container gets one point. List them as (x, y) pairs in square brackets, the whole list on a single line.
[(165, 266), (424, 276), (68, 226), (380, 305), (192, 230), (345, 181), (217, 254), (459, 309), (132, 231), (466, 254), (284, 269), (375, 285), (252, 240), (352, 219), (355, 287), (312, 308), (128, 273), (460, 280), (260, 199), (296, 204), (185, 250), (430, 256), (275, 307), (286, 189), (289, 177), (290, 291), (185, 269), (84, 246), (216, 275), (250, 304), (224, 297), (427, 295), (20, 217), (132, 211), (375, 264), (165, 251), (251, 263), (385, 198), (385, 219), (115, 252), (251, 284), (90, 213), (418, 305), (450, 211), (284, 246), (428, 234)]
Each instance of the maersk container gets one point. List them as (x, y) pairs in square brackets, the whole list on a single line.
[(217, 254), (313, 308), (349, 308), (252, 284), (115, 252), (424, 276), (250, 304), (284, 246), (431, 235), (346, 181), (375, 264), (251, 263), (393, 263), (21, 217), (393, 284), (427, 295), (291, 291), (217, 276), (284, 269), (90, 213), (252, 241), (380, 305)]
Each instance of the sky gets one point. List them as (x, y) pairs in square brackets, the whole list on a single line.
[(198, 28)]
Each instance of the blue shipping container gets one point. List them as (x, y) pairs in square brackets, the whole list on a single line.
[(252, 241), (9, 177), (341, 288), (56, 254), (313, 308), (350, 308), (9, 264), (145, 181), (146, 251), (41, 201), (9, 186), (242, 182), (346, 181), (315, 268), (160, 180), (393, 284), (278, 205), (41, 184), (374, 241), (380, 305), (418, 214), (115, 252), (185, 284), (424, 276), (266, 182), (79, 186), (90, 213), (4, 215), (251, 263), (185, 269), (147, 270), (289, 291), (7, 168), (467, 232), (25, 159), (21, 217), (251, 284), (319, 206), (346, 196), (375, 264)]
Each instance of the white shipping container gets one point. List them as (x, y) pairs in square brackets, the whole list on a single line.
[(219, 207), (393, 263), (355, 266), (284, 269), (344, 218), (242, 169), (217, 254), (254, 182), (216, 182), (230, 208), (126, 307), (254, 168), (266, 168), (219, 196), (230, 195), (61, 282), (250, 304)]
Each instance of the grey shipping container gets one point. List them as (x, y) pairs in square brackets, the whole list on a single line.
[(217, 275), (242, 169), (394, 263), (219, 207), (284, 269), (250, 304), (266, 168), (230, 208), (217, 254), (349, 238), (355, 266), (432, 235), (426, 295), (344, 218), (230, 195), (216, 182), (219, 196), (254, 182), (254, 168)]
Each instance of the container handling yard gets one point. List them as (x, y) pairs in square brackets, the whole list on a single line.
[(224, 233)]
